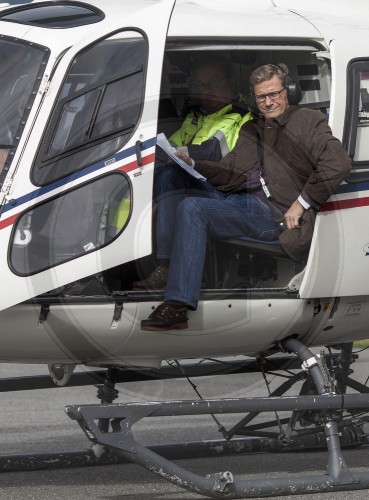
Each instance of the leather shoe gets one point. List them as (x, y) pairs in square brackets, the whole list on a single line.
[(166, 317), (156, 281)]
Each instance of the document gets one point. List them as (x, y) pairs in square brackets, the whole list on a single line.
[(165, 145)]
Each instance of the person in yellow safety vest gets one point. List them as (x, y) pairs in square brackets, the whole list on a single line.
[(208, 133), (211, 131)]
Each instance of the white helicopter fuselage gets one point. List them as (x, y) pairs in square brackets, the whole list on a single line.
[(83, 92)]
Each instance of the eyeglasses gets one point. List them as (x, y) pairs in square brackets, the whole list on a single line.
[(272, 95), (213, 84)]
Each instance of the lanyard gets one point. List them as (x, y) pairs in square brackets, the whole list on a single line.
[(275, 210), (261, 168)]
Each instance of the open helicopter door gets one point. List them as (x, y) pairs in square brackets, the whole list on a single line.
[(339, 258), (79, 189)]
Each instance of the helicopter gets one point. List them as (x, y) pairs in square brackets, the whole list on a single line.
[(86, 88)]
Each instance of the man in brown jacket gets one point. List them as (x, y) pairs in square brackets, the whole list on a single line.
[(284, 166)]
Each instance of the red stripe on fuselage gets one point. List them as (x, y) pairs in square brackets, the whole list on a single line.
[(128, 167), (8, 222), (343, 204)]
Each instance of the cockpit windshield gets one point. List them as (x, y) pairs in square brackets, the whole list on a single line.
[(22, 66)]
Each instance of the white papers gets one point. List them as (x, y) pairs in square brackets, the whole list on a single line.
[(165, 145)]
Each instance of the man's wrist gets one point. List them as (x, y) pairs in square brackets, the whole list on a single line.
[(303, 203)]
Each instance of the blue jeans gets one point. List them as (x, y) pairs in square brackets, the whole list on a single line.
[(172, 185), (189, 213)]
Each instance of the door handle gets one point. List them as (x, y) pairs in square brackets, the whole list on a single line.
[(138, 153)]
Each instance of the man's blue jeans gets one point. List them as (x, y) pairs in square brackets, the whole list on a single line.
[(189, 211)]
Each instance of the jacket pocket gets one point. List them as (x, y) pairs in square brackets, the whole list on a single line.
[(296, 242)]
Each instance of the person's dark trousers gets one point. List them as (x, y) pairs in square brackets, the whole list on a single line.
[(171, 185)]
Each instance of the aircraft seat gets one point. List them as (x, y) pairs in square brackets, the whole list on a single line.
[(251, 260), (169, 121)]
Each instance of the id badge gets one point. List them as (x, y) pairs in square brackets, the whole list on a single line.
[(265, 187)]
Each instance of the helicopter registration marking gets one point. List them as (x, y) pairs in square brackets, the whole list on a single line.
[(354, 309)]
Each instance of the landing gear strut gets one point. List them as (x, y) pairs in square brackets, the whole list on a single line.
[(329, 401)]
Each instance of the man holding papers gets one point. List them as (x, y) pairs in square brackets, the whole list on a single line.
[(207, 133), (286, 164)]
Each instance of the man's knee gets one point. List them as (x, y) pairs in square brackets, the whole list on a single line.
[(190, 208)]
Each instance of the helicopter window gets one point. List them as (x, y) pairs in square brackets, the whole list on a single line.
[(71, 225), (97, 109), (356, 132), (22, 66), (54, 15), (178, 94)]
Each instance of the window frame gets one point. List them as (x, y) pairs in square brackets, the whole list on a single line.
[(44, 5), (52, 265), (45, 51), (43, 159), (350, 132)]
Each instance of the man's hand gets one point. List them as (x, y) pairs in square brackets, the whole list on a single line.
[(293, 215), (183, 157)]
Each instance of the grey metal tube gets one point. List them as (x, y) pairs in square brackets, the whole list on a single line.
[(305, 354), (213, 487), (337, 468), (206, 406)]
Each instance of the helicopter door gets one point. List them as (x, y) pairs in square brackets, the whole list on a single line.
[(339, 256), (81, 199)]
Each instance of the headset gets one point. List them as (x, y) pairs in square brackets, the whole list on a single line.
[(292, 87)]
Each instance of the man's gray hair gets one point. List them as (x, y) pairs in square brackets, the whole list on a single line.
[(267, 71)]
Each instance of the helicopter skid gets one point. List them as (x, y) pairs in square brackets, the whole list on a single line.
[(110, 425), (222, 485)]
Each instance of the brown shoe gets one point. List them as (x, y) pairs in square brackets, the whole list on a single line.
[(156, 281), (166, 317)]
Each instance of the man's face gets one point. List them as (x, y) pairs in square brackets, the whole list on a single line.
[(271, 106), (213, 87)]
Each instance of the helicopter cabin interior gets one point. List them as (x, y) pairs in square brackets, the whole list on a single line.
[(243, 263), (233, 264)]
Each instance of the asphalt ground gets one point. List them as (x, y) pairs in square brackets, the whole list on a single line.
[(35, 422)]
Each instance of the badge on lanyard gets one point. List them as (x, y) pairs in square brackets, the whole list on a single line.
[(265, 187)]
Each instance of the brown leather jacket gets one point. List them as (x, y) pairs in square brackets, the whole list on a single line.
[(300, 156)]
